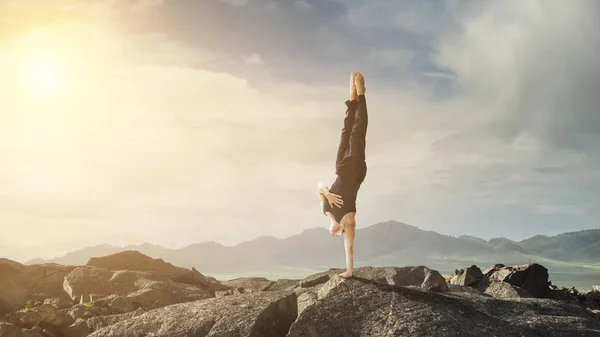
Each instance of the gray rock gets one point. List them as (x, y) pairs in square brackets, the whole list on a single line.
[(463, 289), (408, 276), (468, 277), (86, 311), (254, 314), (97, 323), (360, 307), (83, 327), (46, 316), (79, 328), (434, 281), (533, 278), (135, 261), (232, 292), (306, 299), (334, 282), (132, 288), (11, 330), (316, 279), (59, 303), (155, 294), (500, 275), (15, 285), (492, 269), (223, 293), (250, 283), (48, 280), (499, 289), (284, 285), (404, 276), (121, 304), (83, 281)]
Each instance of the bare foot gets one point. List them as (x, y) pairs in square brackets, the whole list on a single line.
[(360, 83), (346, 274), (353, 92)]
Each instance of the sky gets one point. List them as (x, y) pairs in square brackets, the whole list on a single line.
[(181, 121)]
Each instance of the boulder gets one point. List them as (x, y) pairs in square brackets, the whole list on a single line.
[(533, 278), (254, 314), (86, 311), (97, 323), (316, 279), (59, 303), (83, 281), (467, 277), (492, 269), (212, 282), (407, 276), (48, 280), (11, 330), (250, 284), (45, 316), (123, 291), (15, 286), (83, 327), (463, 289), (404, 276), (335, 283), (155, 294), (307, 296), (121, 304), (135, 261), (232, 292), (284, 285), (434, 281), (361, 307), (501, 274), (499, 289), (79, 328), (306, 299)]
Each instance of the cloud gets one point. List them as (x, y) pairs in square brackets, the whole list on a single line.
[(398, 58), (482, 119), (254, 59), (236, 2), (303, 4)]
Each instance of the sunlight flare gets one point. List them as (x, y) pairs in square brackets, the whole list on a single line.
[(44, 76)]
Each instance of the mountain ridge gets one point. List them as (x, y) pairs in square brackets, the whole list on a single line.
[(389, 242)]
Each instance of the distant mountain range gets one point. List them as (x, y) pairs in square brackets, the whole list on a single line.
[(386, 243)]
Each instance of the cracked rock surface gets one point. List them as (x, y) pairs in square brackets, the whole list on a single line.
[(361, 307), (256, 314)]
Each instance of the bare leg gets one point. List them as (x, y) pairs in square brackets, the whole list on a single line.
[(349, 224)]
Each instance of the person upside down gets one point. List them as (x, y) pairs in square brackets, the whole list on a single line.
[(339, 202)]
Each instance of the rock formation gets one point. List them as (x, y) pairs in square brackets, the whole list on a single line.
[(361, 307), (130, 294)]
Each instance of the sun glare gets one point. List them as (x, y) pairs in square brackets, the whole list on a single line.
[(44, 76)]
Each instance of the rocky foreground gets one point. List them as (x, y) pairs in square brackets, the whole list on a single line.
[(130, 294)]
